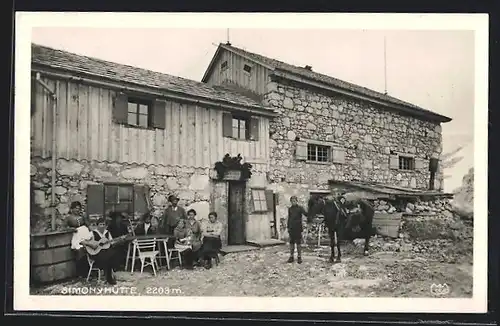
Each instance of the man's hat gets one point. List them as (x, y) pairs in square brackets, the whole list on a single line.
[(173, 197)]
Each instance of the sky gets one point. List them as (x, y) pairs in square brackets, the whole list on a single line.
[(432, 69)]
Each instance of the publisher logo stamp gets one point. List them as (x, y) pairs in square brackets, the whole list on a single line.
[(440, 289)]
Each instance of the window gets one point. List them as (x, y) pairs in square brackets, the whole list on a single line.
[(247, 68), (138, 113), (240, 128), (259, 200), (223, 66), (119, 197), (406, 163), (318, 153)]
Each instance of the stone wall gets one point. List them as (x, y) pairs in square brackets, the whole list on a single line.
[(368, 135), (191, 185)]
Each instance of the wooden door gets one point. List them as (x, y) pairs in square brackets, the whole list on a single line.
[(236, 213)]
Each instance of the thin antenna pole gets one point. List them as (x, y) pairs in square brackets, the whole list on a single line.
[(385, 66)]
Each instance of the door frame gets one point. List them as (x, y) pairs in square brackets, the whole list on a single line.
[(243, 205)]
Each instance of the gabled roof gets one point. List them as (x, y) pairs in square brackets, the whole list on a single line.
[(286, 70), (43, 56)]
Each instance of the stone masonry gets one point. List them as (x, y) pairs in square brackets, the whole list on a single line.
[(367, 133), (191, 185)]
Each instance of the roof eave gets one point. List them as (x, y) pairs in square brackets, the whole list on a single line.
[(407, 109), (120, 84), (211, 65), (259, 62)]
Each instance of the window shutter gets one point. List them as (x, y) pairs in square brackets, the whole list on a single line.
[(33, 96), (142, 202), (394, 162), (120, 109), (433, 164), (95, 200), (254, 128), (419, 163), (158, 114), (338, 155), (270, 200), (227, 125), (301, 151)]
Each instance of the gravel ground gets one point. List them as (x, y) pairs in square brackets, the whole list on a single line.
[(264, 272)]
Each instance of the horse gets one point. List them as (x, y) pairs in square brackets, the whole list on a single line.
[(341, 224)]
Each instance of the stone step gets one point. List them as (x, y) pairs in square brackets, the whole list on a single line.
[(237, 248), (265, 243)]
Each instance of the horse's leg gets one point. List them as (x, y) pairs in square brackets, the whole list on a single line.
[(367, 243), (337, 241), (331, 233)]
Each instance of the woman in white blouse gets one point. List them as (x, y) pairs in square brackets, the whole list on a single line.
[(211, 231)]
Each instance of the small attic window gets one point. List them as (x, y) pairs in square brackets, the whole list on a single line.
[(247, 68), (223, 65)]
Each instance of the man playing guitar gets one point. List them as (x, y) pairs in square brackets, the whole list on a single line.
[(99, 247)]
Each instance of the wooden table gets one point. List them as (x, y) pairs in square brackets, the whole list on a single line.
[(132, 246)]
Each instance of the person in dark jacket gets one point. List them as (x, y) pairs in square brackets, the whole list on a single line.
[(117, 228), (294, 225), (145, 227), (172, 215)]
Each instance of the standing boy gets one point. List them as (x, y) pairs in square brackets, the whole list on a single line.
[(295, 213)]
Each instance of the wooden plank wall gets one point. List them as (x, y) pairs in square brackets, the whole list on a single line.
[(192, 137), (256, 81)]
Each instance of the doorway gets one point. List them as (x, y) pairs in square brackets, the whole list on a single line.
[(236, 213)]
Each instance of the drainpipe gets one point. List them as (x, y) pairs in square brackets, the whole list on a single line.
[(54, 147)]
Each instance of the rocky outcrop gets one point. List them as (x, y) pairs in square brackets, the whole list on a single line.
[(463, 203)]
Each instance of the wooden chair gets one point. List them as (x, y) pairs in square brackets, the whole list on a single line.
[(146, 250), (178, 250)]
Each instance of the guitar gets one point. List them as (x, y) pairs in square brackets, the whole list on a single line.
[(94, 251)]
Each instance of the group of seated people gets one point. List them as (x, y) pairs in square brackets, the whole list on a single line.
[(200, 241)]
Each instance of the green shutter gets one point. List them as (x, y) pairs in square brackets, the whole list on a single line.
[(227, 125), (254, 128), (33, 96), (95, 200), (270, 200), (394, 162), (120, 108), (338, 155), (301, 151), (158, 119), (142, 202)]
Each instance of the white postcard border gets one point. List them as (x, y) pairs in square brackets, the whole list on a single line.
[(25, 21)]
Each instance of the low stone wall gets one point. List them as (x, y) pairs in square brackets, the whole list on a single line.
[(190, 184)]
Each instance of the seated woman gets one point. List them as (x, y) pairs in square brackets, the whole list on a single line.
[(189, 233), (107, 259), (211, 232)]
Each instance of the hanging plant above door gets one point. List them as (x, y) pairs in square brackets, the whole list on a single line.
[(231, 168)]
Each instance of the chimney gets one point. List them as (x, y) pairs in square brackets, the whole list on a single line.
[(308, 68)]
